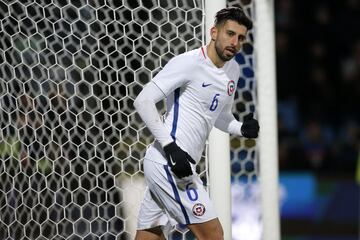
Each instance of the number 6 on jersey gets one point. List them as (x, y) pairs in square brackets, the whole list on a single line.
[(214, 102)]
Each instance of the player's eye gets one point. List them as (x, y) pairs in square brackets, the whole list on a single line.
[(241, 38), (230, 33)]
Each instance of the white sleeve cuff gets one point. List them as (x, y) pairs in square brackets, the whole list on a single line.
[(235, 127)]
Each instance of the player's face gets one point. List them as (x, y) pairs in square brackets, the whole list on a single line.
[(229, 38)]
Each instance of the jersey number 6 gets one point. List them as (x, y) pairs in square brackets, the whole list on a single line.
[(191, 192), (214, 102)]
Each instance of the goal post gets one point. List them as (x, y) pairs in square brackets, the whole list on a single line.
[(265, 65)]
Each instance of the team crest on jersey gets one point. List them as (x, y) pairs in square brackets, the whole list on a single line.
[(198, 209), (231, 87)]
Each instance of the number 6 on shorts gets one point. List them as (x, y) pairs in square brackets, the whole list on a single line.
[(191, 192)]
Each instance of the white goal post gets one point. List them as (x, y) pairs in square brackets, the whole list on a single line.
[(265, 48)]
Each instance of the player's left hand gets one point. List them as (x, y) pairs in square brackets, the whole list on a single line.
[(250, 127), (178, 160)]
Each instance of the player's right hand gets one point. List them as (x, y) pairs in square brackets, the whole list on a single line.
[(178, 160)]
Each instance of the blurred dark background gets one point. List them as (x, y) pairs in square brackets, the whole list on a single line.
[(318, 88), (318, 77)]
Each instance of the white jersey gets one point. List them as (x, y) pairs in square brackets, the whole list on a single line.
[(197, 93)]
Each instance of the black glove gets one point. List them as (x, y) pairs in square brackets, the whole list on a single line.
[(250, 126), (178, 160)]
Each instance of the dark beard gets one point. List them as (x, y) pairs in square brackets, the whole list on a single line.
[(221, 55)]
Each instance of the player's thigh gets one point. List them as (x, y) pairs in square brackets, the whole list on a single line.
[(151, 214), (186, 201), (150, 234), (210, 230)]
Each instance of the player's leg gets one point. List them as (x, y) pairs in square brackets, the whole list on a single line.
[(151, 219), (210, 230), (150, 234)]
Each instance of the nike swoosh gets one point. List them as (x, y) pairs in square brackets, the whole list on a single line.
[(172, 162), (206, 85)]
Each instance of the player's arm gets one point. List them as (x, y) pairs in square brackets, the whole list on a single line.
[(162, 85), (145, 105), (167, 80), (226, 122)]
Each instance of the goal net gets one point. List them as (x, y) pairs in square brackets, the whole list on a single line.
[(71, 143)]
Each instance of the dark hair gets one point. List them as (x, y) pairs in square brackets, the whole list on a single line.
[(233, 13)]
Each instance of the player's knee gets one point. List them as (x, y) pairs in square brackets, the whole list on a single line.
[(217, 234)]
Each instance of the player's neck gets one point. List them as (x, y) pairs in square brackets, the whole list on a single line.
[(214, 57)]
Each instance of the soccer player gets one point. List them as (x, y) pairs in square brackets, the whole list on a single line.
[(199, 87)]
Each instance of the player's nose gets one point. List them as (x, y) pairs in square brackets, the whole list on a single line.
[(234, 41)]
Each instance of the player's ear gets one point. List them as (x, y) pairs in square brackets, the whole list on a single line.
[(213, 33)]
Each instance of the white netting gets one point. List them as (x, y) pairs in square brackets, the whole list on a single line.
[(71, 144)]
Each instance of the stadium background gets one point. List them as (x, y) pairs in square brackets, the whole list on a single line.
[(318, 85)]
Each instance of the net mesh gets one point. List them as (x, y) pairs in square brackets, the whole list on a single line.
[(71, 143)]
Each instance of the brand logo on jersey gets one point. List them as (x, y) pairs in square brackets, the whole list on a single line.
[(198, 209), (206, 84), (231, 87)]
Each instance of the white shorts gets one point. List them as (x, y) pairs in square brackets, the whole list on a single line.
[(169, 200)]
